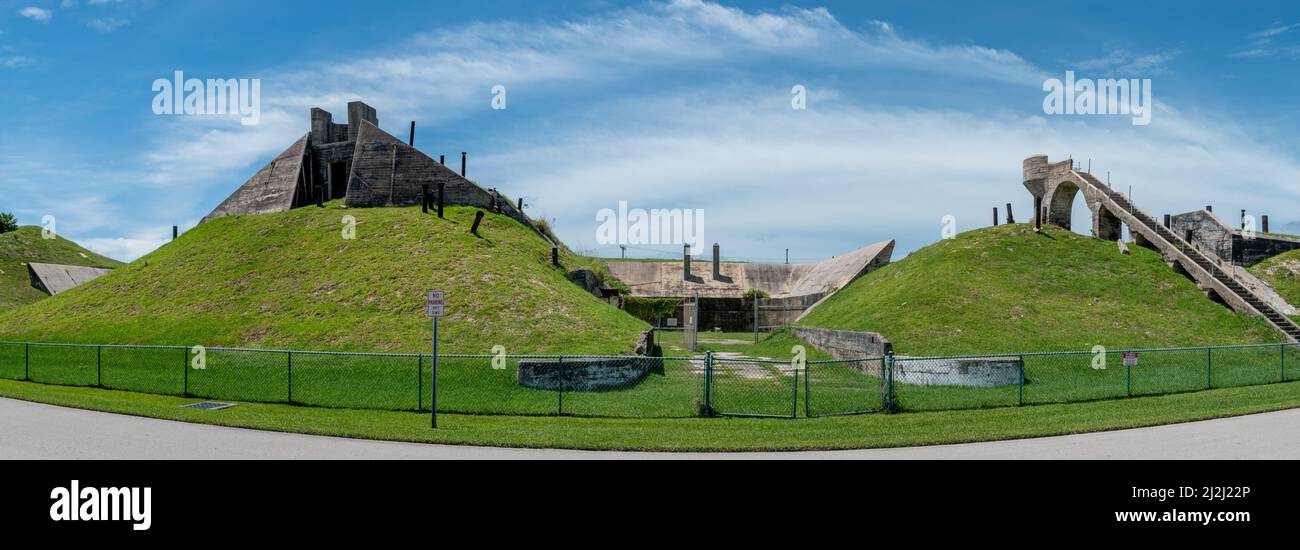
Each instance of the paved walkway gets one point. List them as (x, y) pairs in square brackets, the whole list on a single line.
[(36, 431)]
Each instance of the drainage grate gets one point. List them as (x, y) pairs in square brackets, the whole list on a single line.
[(208, 406)]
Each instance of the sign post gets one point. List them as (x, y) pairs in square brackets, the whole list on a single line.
[(435, 307)]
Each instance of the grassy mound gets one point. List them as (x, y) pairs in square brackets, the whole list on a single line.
[(291, 280), (18, 248), (1007, 289), (1283, 272)]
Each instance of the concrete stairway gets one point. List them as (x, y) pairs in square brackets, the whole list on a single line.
[(1200, 266)]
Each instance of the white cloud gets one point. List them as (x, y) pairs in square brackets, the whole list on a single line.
[(36, 14), (1274, 41), (1123, 63), (839, 176), (107, 24), (16, 61)]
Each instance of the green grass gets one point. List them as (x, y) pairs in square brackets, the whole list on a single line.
[(25, 245), (1006, 289), (719, 434), (1283, 272), (290, 280)]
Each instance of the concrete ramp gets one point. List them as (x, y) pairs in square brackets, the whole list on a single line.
[(54, 278)]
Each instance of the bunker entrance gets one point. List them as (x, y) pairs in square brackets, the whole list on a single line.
[(338, 180)]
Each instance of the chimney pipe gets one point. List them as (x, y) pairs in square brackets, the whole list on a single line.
[(176, 232), (1010, 217), (717, 262), (1167, 220), (412, 141), (686, 262), (995, 216), (1243, 218), (442, 159), (1265, 220), (464, 159), (1209, 208)]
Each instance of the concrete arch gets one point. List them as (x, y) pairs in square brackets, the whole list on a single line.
[(1105, 224), (1060, 204)]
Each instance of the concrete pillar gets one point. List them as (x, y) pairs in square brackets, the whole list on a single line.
[(717, 261), (320, 126), (1038, 213), (357, 112), (442, 196)]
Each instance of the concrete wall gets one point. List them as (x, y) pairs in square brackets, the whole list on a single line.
[(1213, 235), (272, 189), (843, 344), (586, 375)]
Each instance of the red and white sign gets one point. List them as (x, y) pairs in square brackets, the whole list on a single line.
[(1130, 358), (436, 306)]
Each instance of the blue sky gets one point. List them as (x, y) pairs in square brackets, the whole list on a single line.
[(916, 111)]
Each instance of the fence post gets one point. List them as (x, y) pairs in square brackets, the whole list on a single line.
[(290, 355), (99, 366), (1020, 391), (708, 383), (185, 372), (1282, 362), (807, 392), (889, 381), (794, 395), (27, 361), (1128, 377), (419, 384), (561, 386), (1209, 368)]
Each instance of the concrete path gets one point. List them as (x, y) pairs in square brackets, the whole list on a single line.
[(36, 431)]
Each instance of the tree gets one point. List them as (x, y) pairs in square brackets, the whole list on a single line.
[(8, 222)]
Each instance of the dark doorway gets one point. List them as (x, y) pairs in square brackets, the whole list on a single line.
[(338, 180)]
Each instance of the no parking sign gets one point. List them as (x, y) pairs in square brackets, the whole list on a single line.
[(1130, 358)]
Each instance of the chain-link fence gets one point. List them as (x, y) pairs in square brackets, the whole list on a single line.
[(647, 387)]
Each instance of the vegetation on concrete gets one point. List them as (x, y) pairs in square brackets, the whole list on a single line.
[(25, 245), (650, 310), (1283, 272), (291, 280), (1007, 289)]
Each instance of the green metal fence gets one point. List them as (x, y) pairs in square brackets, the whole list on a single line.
[(648, 387)]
